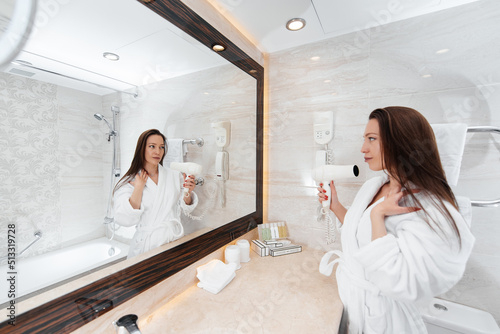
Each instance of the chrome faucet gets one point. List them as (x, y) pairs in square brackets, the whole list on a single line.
[(127, 325)]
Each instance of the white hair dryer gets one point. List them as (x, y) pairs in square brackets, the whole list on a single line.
[(189, 168), (326, 173)]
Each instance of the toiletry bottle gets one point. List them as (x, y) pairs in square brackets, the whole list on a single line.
[(266, 232), (285, 232)]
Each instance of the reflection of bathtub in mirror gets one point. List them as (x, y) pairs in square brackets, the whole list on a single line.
[(44, 271)]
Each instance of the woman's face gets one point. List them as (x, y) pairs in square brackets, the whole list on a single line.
[(155, 149), (372, 146)]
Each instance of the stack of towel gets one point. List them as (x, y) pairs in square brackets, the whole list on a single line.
[(215, 275)]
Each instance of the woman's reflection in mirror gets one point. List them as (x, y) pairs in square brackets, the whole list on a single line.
[(150, 196)]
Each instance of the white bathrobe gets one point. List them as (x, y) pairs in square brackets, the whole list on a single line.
[(158, 219), (383, 282)]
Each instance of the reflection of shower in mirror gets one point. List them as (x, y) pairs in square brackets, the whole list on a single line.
[(115, 170)]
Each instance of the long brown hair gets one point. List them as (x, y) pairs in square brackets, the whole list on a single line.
[(138, 160), (410, 156)]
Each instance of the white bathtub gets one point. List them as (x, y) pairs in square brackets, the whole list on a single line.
[(38, 272), (445, 317)]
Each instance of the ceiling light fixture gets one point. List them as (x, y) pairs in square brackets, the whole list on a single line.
[(442, 51), (295, 24), (111, 56), (218, 47)]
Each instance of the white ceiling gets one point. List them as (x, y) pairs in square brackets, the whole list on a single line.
[(71, 36), (264, 20)]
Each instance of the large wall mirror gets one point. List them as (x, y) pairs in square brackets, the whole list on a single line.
[(61, 101)]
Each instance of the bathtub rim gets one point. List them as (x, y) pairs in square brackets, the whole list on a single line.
[(68, 280)]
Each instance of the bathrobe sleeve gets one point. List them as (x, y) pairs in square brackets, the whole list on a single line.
[(413, 262), (125, 214), (189, 208)]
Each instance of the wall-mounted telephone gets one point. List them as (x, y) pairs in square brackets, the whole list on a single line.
[(221, 165), (222, 139)]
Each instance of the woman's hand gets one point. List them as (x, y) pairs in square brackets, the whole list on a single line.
[(389, 207), (333, 196), (189, 184), (338, 209), (140, 179), (139, 182)]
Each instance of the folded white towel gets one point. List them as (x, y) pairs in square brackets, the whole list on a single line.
[(451, 141), (176, 151), (215, 275)]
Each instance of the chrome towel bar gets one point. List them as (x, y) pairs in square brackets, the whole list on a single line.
[(486, 129), (197, 141)]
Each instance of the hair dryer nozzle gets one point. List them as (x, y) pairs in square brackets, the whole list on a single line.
[(335, 172)]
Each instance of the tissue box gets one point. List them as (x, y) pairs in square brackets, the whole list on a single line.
[(260, 248)]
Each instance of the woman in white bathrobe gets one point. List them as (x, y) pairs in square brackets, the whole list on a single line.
[(150, 196), (403, 238)]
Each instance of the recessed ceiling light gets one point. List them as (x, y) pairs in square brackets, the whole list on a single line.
[(442, 51), (111, 56), (218, 47), (315, 58), (426, 76), (295, 24)]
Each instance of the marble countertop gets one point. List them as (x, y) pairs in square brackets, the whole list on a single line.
[(284, 294)]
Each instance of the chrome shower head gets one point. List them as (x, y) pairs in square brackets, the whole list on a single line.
[(102, 118)]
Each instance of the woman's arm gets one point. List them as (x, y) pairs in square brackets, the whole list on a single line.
[(124, 213), (138, 183)]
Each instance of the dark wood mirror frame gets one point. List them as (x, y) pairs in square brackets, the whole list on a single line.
[(81, 306)]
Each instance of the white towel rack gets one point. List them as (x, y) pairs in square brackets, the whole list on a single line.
[(488, 129), (197, 141)]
